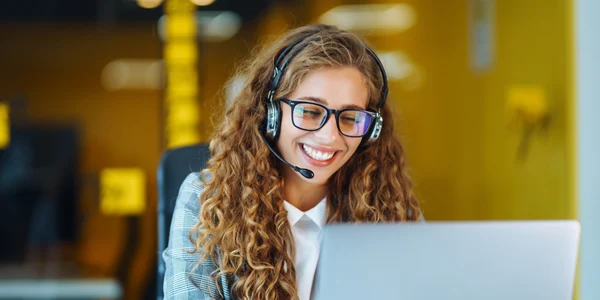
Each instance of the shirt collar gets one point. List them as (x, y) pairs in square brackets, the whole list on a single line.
[(316, 214)]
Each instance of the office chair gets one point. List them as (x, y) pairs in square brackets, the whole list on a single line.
[(174, 167)]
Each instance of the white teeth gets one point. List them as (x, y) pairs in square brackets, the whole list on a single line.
[(316, 154)]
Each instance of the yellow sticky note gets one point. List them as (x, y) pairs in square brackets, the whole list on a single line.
[(4, 126), (527, 101), (122, 191)]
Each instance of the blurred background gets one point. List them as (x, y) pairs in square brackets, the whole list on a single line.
[(495, 100)]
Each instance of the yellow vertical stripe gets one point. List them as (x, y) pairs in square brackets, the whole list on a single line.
[(4, 126), (182, 124)]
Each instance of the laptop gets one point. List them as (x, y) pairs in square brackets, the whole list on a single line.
[(448, 260)]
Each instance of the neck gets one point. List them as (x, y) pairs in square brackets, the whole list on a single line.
[(301, 194)]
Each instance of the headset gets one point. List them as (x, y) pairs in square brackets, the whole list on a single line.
[(272, 124)]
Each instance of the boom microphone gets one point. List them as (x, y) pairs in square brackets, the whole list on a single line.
[(308, 174)]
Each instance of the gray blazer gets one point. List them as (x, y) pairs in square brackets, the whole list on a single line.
[(182, 281)]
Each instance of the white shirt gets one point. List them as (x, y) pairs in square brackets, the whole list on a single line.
[(306, 229)]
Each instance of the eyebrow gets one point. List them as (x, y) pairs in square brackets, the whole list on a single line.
[(323, 102)]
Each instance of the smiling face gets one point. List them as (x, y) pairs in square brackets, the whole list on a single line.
[(326, 150)]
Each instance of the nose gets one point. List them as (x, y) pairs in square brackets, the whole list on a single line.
[(329, 132)]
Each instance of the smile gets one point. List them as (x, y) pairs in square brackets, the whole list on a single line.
[(317, 154)]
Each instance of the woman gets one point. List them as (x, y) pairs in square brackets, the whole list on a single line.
[(250, 227)]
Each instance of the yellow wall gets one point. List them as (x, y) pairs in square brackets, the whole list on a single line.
[(456, 129), (533, 42)]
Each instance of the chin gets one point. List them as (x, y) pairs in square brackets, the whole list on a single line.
[(319, 179)]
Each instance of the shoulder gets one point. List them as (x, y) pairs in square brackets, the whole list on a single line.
[(186, 277), (189, 193), (193, 183), (421, 218)]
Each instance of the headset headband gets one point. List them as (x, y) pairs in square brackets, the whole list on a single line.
[(280, 67)]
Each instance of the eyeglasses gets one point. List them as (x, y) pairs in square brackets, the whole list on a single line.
[(311, 116)]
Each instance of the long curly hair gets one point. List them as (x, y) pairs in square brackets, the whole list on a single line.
[(243, 224)]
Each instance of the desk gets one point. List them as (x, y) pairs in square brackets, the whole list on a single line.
[(60, 289), (62, 281)]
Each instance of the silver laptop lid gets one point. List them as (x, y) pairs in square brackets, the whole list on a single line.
[(465, 260)]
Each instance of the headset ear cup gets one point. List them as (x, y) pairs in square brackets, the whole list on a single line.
[(272, 121), (374, 131), (277, 106)]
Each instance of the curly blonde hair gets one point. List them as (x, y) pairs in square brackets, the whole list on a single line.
[(243, 224)]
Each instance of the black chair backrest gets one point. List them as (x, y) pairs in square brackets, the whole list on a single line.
[(175, 166)]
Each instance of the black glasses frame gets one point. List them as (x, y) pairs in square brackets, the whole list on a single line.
[(328, 113)]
